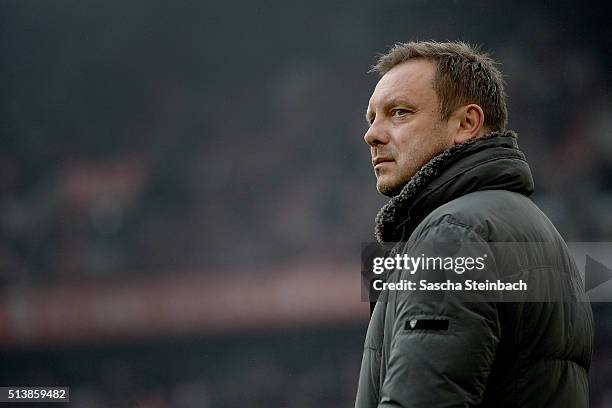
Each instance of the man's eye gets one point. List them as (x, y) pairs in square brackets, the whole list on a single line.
[(399, 112)]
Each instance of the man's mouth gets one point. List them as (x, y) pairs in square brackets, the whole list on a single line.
[(380, 160)]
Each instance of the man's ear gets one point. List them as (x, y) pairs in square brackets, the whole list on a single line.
[(469, 123)]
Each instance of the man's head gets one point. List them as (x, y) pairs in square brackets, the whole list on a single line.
[(430, 97)]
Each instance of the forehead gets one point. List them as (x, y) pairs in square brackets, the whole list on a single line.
[(411, 80)]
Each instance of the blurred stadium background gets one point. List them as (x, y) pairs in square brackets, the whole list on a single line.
[(184, 186)]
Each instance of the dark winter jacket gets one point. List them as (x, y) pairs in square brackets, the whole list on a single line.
[(423, 352)]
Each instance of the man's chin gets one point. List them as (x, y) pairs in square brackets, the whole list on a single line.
[(388, 189)]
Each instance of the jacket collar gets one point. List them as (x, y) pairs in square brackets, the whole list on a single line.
[(491, 162)]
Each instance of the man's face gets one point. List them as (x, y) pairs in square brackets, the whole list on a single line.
[(405, 127)]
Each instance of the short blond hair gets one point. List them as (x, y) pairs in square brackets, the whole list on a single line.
[(464, 75)]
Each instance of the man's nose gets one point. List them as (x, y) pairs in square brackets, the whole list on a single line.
[(376, 135)]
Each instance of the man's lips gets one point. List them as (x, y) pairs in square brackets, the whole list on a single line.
[(378, 160)]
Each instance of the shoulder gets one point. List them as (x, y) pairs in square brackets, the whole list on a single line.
[(490, 214)]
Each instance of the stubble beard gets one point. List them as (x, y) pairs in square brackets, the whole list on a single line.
[(393, 188)]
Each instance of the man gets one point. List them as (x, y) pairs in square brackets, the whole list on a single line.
[(441, 151)]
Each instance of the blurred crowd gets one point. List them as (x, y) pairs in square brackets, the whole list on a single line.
[(130, 159), (232, 372)]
